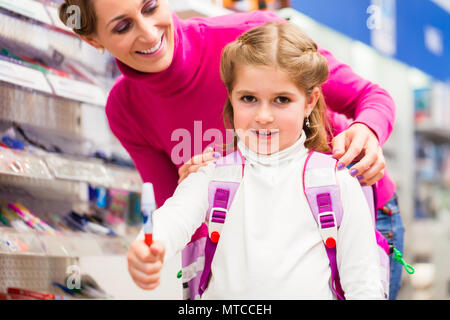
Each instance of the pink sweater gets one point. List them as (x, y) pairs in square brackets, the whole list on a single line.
[(144, 109)]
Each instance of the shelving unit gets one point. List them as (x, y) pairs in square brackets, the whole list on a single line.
[(434, 133), (67, 244), (55, 106), (51, 168)]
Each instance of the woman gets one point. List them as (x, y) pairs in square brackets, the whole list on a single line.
[(171, 90)]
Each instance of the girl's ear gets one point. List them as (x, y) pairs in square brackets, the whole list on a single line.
[(312, 101)]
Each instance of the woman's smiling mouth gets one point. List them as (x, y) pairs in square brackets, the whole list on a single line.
[(154, 50)]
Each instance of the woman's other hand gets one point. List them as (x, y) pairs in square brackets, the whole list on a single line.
[(196, 162)]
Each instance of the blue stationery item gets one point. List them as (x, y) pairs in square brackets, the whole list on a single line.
[(64, 288), (13, 143), (102, 198)]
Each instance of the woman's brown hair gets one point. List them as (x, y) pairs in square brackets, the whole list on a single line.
[(285, 46), (87, 20)]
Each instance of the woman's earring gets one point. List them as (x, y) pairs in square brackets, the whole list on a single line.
[(307, 122)]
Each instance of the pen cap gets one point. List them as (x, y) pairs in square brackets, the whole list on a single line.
[(148, 195)]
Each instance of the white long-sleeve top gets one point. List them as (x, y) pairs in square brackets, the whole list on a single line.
[(270, 246)]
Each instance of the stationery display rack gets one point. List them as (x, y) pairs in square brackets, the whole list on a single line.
[(68, 190), (432, 151)]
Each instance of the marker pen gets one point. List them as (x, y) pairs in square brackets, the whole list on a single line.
[(40, 222), (24, 217), (148, 205)]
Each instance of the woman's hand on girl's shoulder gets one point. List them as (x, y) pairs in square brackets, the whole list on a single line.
[(197, 162), (359, 143)]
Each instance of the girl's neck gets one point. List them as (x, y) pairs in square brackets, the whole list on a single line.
[(297, 149)]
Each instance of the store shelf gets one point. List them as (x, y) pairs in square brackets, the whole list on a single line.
[(434, 133), (33, 272), (57, 116), (437, 182), (77, 90), (49, 168), (22, 76), (72, 89), (23, 164), (36, 11), (34, 243), (48, 14), (27, 8)]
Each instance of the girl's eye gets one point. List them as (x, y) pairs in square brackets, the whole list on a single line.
[(248, 99), (121, 27), (149, 7), (282, 100)]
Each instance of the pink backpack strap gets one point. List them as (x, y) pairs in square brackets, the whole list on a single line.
[(323, 195), (220, 197)]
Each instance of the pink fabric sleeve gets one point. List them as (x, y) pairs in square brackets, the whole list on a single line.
[(358, 99), (153, 165)]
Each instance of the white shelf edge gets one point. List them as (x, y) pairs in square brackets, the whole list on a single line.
[(107, 180), (51, 84), (70, 245)]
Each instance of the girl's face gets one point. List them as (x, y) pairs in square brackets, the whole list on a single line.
[(269, 109), (139, 33)]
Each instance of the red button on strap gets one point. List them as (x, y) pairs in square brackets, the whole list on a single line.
[(330, 242), (215, 236)]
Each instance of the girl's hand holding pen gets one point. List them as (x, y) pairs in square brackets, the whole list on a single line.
[(145, 263)]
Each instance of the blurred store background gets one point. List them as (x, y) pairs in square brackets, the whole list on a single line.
[(61, 167)]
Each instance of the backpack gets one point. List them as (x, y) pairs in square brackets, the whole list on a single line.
[(323, 195)]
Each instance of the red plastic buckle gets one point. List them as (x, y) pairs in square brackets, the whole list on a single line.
[(330, 242), (215, 236)]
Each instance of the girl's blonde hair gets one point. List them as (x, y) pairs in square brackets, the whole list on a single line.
[(285, 46)]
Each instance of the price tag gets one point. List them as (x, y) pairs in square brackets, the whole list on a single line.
[(29, 8), (77, 90), (23, 76)]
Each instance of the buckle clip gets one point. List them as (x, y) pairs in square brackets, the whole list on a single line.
[(328, 228), (215, 222)]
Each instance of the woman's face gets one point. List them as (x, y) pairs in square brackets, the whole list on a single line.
[(139, 33), (268, 108)]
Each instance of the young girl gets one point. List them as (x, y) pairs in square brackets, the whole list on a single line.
[(270, 246)]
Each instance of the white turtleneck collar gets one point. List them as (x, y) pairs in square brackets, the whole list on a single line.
[(294, 151)]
